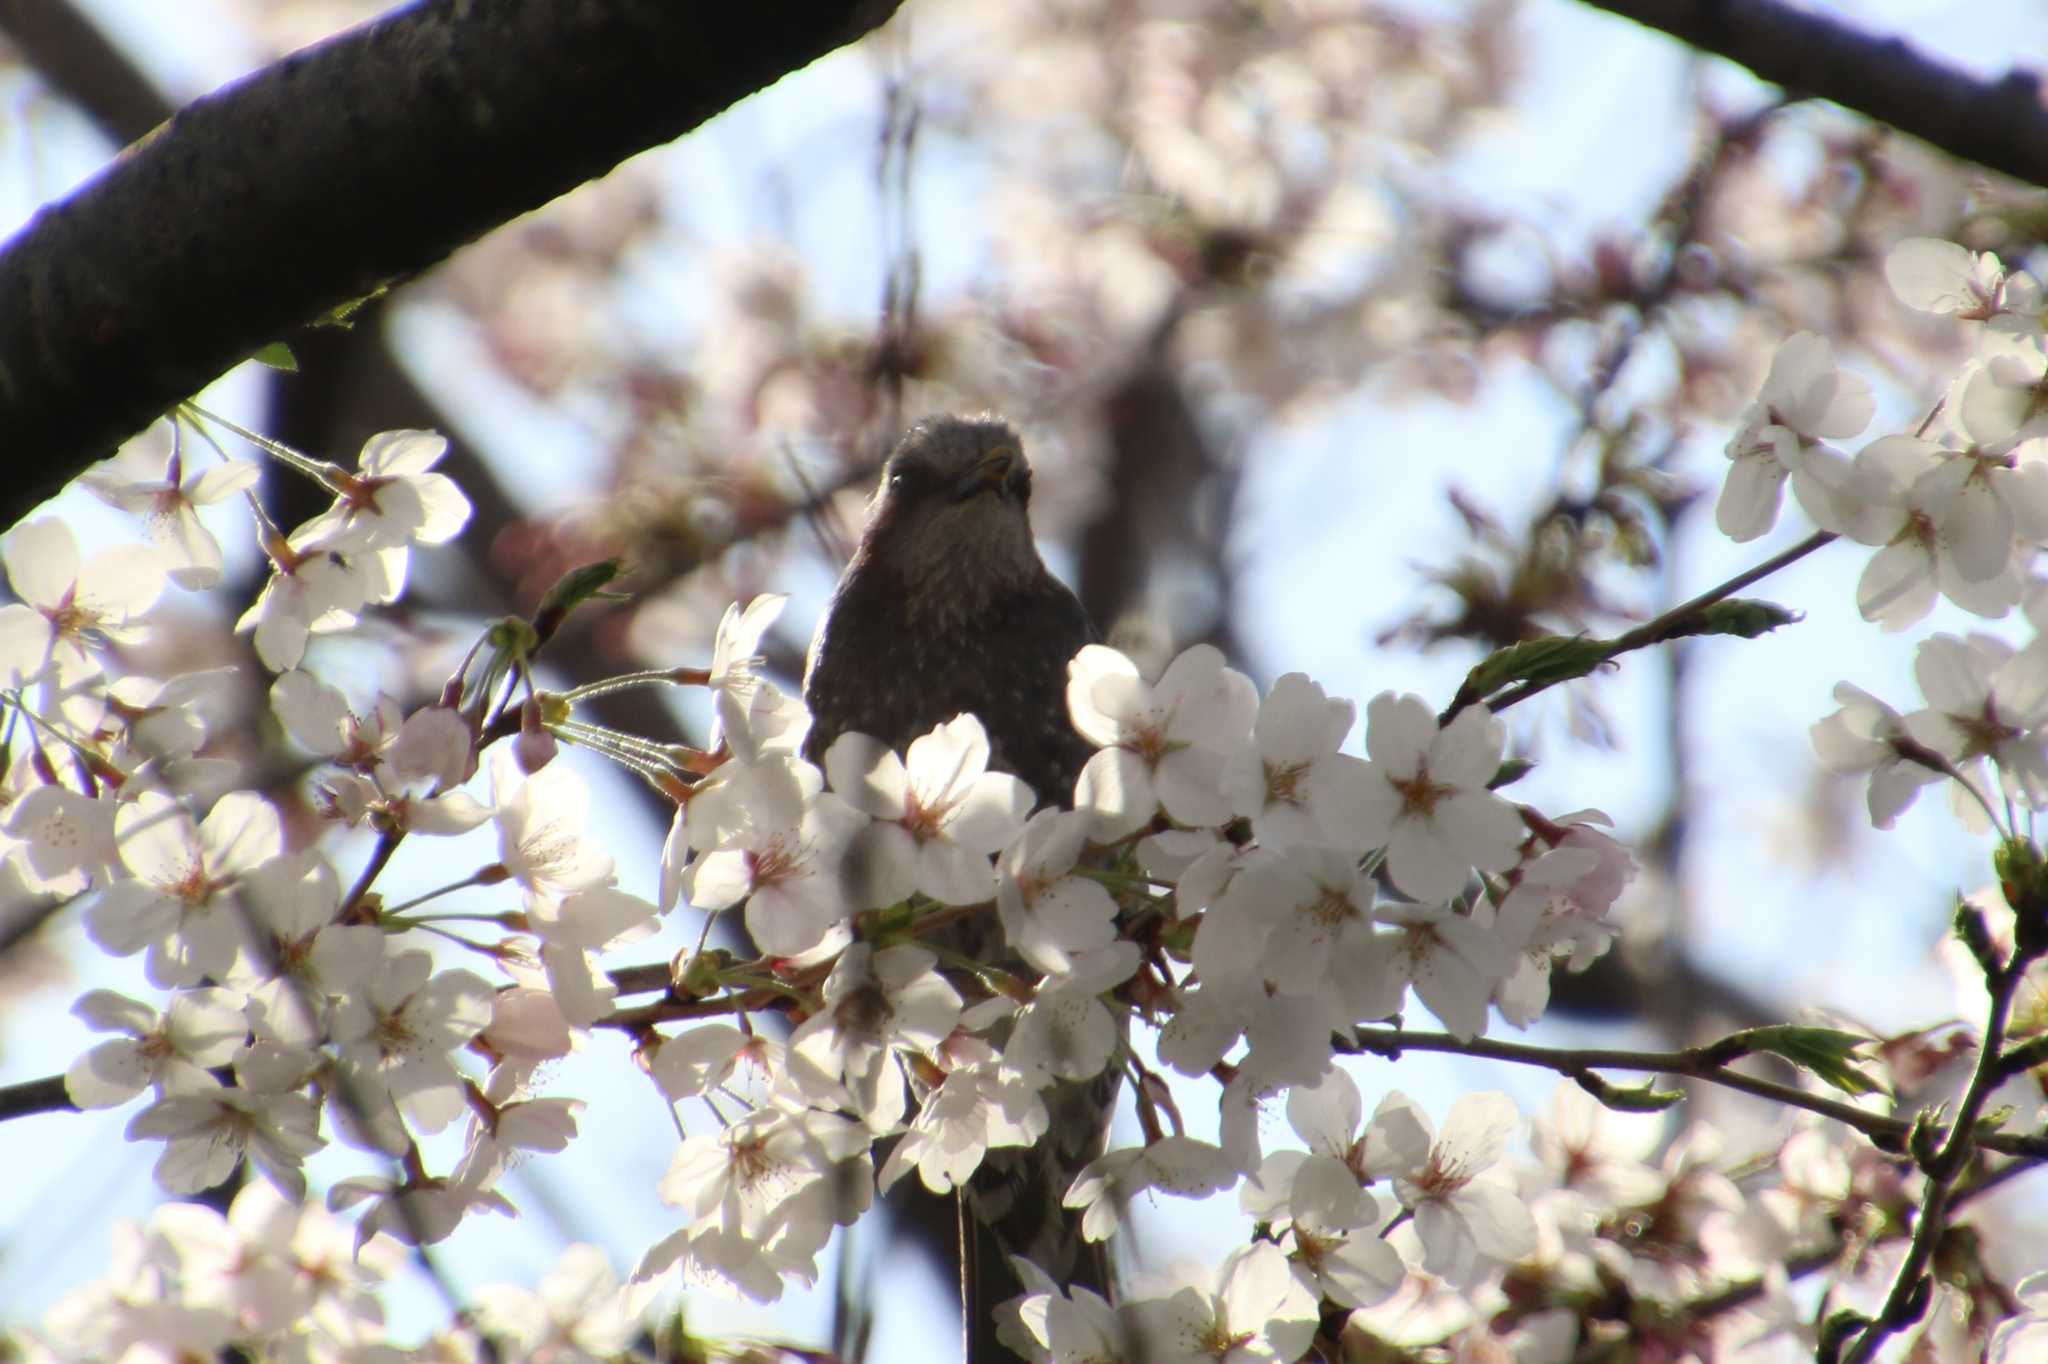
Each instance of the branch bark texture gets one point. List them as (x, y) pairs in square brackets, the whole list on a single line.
[(343, 168), (2001, 125)]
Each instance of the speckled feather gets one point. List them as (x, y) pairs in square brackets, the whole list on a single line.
[(949, 612), (946, 608)]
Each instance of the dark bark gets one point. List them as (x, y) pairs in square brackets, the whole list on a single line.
[(2001, 125), (341, 170)]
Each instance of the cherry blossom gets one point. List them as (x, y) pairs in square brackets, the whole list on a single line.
[(1426, 796), (180, 902), (394, 499), (201, 1029), (1049, 912), (876, 1003), (779, 842), (1256, 1312), (736, 663), (68, 608), (1935, 276), (308, 593), (1290, 780), (396, 1034), (1163, 745), (1178, 1164), (1984, 701), (1466, 1211), (1910, 495), (1866, 735), (210, 1130), (576, 1313), (938, 814), (976, 1106), (1333, 1226), (1805, 400), (168, 501)]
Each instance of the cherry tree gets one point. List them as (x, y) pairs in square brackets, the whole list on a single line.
[(1261, 901)]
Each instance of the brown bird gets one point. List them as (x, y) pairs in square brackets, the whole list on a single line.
[(946, 608)]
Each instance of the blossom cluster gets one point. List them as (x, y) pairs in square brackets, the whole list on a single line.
[(1233, 892), (1957, 509)]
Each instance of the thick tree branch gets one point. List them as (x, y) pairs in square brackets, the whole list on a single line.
[(2000, 125), (339, 170)]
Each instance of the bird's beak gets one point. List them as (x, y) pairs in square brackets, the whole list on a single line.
[(998, 472)]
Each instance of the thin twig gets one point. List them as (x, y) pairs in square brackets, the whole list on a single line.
[(1698, 1063)]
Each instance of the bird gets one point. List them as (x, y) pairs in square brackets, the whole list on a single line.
[(944, 608)]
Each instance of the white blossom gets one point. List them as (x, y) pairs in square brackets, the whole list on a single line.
[(1426, 796), (938, 814), (1163, 745), (174, 1052)]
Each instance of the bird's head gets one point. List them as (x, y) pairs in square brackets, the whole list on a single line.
[(950, 520)]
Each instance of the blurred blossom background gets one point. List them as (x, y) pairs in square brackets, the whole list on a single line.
[(1357, 339)]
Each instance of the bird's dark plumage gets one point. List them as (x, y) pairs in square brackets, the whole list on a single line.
[(946, 607)]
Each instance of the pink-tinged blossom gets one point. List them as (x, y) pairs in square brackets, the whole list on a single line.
[(1426, 798), (68, 608), (64, 836), (1558, 909), (779, 843), (174, 1052), (393, 499), (321, 721), (736, 663), (938, 812), (296, 955), (168, 501), (210, 1130), (576, 1313), (306, 594), (1984, 701), (1163, 745), (1930, 540), (1049, 911), (877, 1004), (767, 1170), (1930, 275), (1332, 1226), (1867, 736), (398, 1031), (2023, 1338), (416, 1212), (179, 904), (1805, 400), (1467, 1213), (135, 1314), (977, 1106), (1453, 960), (1290, 780), (1256, 1312), (1067, 1032), (1177, 1165), (566, 877), (1064, 1325)]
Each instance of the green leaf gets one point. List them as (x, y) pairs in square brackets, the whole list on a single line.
[(1828, 1052), (277, 355), (1510, 772), (1553, 658), (1643, 1098), (1742, 616)]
